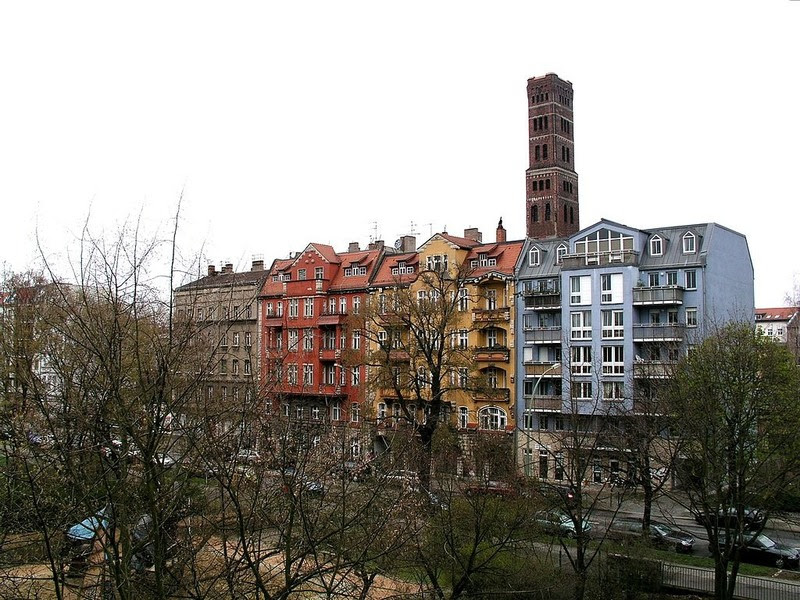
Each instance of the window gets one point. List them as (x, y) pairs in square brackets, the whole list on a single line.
[(581, 362), (343, 305), (491, 337), (463, 338), (613, 360), (356, 376), (329, 374), (691, 317), (653, 279), (308, 307), (355, 448), (291, 374), (656, 246), (437, 262), (357, 340), (247, 368), (319, 273), (492, 377), (279, 309), (611, 288), (356, 305), (580, 290), (492, 418), (463, 299), (308, 374), (223, 342), (581, 390), (236, 339), (690, 279), (533, 257), (355, 412), (336, 412), (381, 411), (223, 366), (301, 274), (613, 324), (235, 366), (308, 339), (672, 278), (463, 417), (248, 339), (315, 413), (463, 377), (491, 299), (688, 243), (561, 252), (210, 392), (422, 377), (293, 308), (613, 390), (293, 340), (581, 325)]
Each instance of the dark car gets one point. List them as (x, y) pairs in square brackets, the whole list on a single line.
[(559, 523), (753, 519), (661, 534), (763, 550)]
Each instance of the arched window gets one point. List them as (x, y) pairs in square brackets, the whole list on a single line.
[(535, 214), (656, 246), (547, 212), (533, 257), (688, 243), (492, 418), (463, 417), (561, 251)]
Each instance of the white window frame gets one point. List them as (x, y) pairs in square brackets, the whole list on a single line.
[(534, 256), (690, 279), (656, 246), (689, 243), (580, 325), (613, 360)]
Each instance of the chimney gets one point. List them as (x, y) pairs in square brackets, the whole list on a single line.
[(353, 247), (228, 268), (501, 232), (408, 243), (473, 234), (376, 245), (258, 263), (212, 270)]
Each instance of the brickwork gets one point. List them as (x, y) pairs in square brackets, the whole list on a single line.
[(551, 207)]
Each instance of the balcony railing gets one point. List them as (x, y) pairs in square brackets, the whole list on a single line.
[(653, 369), (490, 315), (329, 354), (543, 301), (659, 332), (544, 335), (492, 354), (550, 403), (600, 259), (659, 295), (499, 394), (545, 369)]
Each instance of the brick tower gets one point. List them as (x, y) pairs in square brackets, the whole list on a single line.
[(551, 183)]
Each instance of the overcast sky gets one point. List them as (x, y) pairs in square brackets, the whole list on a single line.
[(296, 122)]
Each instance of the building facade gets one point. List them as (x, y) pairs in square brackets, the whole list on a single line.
[(781, 325), (603, 311)]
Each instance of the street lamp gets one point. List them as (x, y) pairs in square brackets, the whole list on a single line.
[(526, 412)]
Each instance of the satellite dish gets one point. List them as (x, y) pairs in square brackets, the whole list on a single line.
[(397, 244)]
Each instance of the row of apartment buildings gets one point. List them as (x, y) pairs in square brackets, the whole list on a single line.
[(568, 323)]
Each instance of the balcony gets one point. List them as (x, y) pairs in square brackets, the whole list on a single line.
[(330, 389), (600, 259), (544, 403), (491, 315), (272, 320), (332, 317), (659, 332), (663, 295), (328, 354), (499, 394), (544, 335), (653, 369), (541, 369), (543, 295), (492, 354)]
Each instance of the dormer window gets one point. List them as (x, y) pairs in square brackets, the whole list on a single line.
[(561, 252), (533, 257), (689, 243), (437, 262), (482, 259), (656, 246)]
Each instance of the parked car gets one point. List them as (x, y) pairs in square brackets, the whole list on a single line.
[(248, 456), (754, 519), (660, 534), (558, 522), (493, 488), (763, 550), (301, 482)]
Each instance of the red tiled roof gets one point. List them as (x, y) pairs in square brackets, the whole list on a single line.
[(459, 241), (505, 253), (384, 276), (783, 313), (275, 288), (364, 258)]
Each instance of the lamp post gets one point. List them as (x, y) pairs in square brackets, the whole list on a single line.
[(526, 412)]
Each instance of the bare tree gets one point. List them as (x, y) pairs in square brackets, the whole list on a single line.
[(735, 401)]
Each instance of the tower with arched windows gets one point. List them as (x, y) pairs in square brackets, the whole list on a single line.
[(551, 183)]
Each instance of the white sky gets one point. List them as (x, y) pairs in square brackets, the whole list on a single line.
[(296, 122)]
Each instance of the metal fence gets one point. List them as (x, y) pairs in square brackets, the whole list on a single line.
[(701, 580)]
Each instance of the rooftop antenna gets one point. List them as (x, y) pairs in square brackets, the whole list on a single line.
[(413, 228), (430, 229), (374, 231)]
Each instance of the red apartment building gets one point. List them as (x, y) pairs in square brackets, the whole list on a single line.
[(305, 304)]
